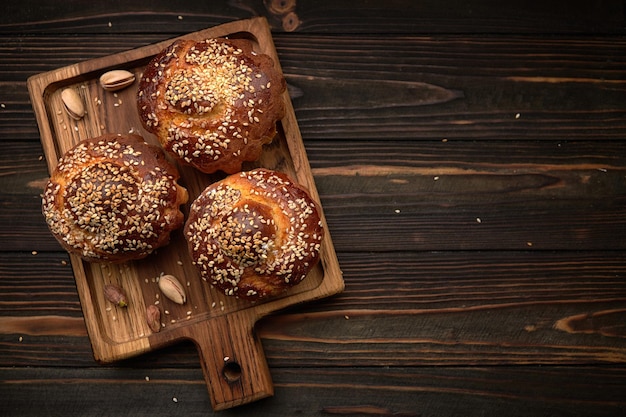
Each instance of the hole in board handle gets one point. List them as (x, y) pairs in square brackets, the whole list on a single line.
[(231, 372)]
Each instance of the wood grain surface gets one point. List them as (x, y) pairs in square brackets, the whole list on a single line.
[(471, 161)]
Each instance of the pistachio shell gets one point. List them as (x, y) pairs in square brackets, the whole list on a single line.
[(172, 289), (116, 295), (153, 318), (73, 103), (116, 79)]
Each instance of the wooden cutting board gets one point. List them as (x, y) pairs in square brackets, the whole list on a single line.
[(232, 358)]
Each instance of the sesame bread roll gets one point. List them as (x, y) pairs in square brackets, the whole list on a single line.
[(212, 104), (254, 234), (113, 198)]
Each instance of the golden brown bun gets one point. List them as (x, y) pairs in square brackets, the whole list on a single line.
[(254, 234), (212, 104), (113, 198)]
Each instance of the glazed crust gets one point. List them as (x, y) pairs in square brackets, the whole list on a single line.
[(254, 234), (212, 104), (113, 198)]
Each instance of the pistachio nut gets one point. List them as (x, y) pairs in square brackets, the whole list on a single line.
[(172, 289), (116, 295), (116, 79), (73, 103), (153, 318)]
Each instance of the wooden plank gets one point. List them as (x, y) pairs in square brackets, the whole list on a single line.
[(515, 88), (459, 195), (558, 16), (397, 195), (333, 391), (470, 87), (398, 309)]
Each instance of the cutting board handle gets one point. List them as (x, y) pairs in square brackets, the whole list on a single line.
[(233, 362)]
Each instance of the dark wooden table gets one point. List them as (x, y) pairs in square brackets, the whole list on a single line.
[(471, 161)]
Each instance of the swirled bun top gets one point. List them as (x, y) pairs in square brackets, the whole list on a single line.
[(212, 104), (254, 234), (113, 198)]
